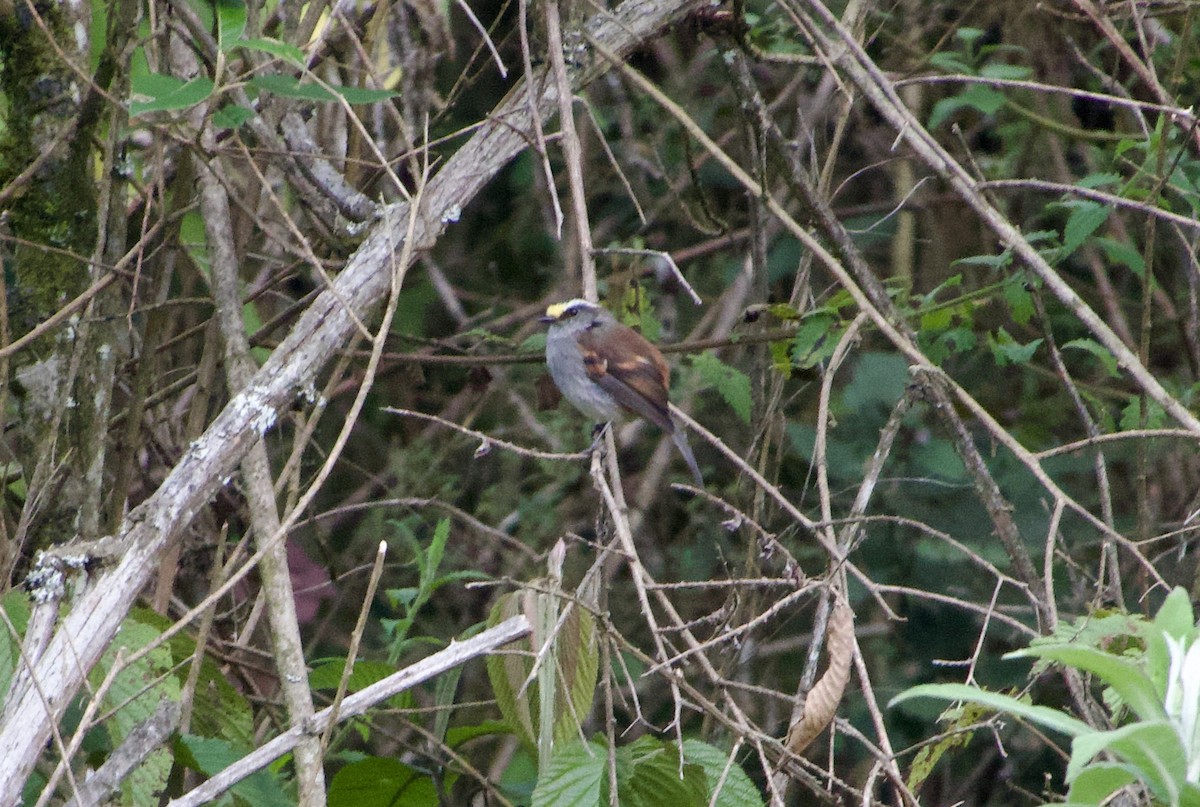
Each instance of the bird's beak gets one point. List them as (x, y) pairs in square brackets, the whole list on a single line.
[(546, 319)]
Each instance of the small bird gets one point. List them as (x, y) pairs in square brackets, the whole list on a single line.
[(605, 368)]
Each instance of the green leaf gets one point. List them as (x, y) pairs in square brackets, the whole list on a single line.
[(952, 282), (384, 782), (328, 674), (292, 87), (1151, 748), (218, 710), (736, 788), (990, 261), (1174, 616), (783, 311), (958, 718), (969, 35), (815, 340), (231, 22), (1125, 677), (209, 755), (938, 320), (1042, 715), (1014, 72), (575, 777), (232, 116), (1099, 180), (951, 62), (1020, 301), (457, 735), (648, 775), (1099, 351), (577, 656), (444, 690), (1007, 350), (878, 381), (1040, 236), (272, 47), (1131, 415), (437, 549), (155, 92), (1085, 219), (1123, 253), (1098, 781), (732, 384), (983, 98), (942, 110), (15, 605), (135, 693)]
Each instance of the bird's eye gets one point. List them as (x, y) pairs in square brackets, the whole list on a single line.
[(570, 312)]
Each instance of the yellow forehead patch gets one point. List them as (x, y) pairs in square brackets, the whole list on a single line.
[(556, 310)]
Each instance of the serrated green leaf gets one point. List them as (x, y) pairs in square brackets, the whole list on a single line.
[(1099, 180), (781, 357), (218, 709), (165, 93), (1099, 351), (402, 596), (577, 655), (990, 261), (815, 340), (1007, 350), (648, 775), (1124, 254), (536, 343), (135, 694), (1131, 415), (736, 788), (1085, 219), (575, 777), (731, 384), (139, 687)]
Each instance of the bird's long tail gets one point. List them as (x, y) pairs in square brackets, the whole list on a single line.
[(681, 442)]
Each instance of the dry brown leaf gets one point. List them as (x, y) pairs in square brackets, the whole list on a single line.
[(821, 704)]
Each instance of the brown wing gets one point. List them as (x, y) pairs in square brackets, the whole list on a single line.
[(630, 369)]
